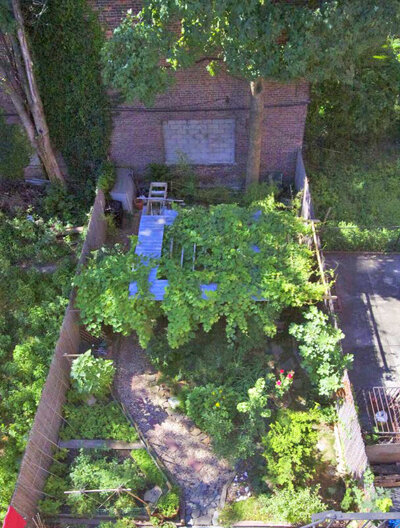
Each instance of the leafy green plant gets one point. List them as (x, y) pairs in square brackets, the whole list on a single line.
[(60, 202), (148, 467), (320, 350), (213, 409), (108, 176), (366, 497), (290, 448), (256, 406), (98, 421), (216, 195), (119, 523), (96, 470), (92, 376), (103, 296), (360, 188), (168, 505), (30, 322), (257, 192), (237, 250), (293, 505)]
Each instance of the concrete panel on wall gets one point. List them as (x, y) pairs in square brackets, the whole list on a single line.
[(201, 141)]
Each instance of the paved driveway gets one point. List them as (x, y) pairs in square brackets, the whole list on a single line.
[(368, 287)]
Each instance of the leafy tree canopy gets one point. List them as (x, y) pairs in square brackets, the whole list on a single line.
[(252, 39)]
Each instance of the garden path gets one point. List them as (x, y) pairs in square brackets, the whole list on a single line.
[(182, 447)]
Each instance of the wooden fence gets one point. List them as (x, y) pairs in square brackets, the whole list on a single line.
[(351, 441), (44, 433)]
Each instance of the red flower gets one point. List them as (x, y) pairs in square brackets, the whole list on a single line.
[(279, 383), (290, 375), (281, 371)]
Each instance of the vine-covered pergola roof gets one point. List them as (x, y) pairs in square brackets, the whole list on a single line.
[(149, 246)]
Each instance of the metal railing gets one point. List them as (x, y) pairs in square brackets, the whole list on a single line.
[(336, 519)]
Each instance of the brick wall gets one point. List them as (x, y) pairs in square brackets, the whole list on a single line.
[(138, 132), (137, 138)]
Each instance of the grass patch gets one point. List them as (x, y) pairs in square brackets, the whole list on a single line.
[(362, 191)]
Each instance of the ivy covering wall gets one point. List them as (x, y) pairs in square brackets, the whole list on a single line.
[(67, 39), (14, 150)]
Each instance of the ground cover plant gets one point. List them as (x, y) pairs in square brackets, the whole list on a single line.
[(32, 304)]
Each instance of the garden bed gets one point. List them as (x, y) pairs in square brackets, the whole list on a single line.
[(90, 477), (105, 482)]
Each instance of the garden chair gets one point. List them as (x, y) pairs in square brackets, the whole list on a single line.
[(157, 197)]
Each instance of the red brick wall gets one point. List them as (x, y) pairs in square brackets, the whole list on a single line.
[(137, 138)]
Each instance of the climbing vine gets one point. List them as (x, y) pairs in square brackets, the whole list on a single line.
[(67, 39), (227, 263)]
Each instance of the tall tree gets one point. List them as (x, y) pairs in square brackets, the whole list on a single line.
[(17, 78), (256, 40)]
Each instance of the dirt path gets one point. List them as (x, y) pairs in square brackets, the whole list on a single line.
[(183, 448)]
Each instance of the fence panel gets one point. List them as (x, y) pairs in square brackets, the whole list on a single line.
[(352, 442), (44, 433)]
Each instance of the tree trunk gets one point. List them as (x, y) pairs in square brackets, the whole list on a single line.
[(255, 132), (44, 148)]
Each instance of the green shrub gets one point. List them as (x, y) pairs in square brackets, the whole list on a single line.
[(107, 178), (148, 467), (168, 504), (61, 202), (119, 523), (244, 510), (293, 506), (181, 178), (103, 298), (15, 150), (237, 249), (99, 421), (320, 351), (290, 448), (92, 376), (212, 408), (346, 236), (159, 172)]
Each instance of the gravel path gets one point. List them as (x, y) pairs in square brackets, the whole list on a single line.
[(183, 448)]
